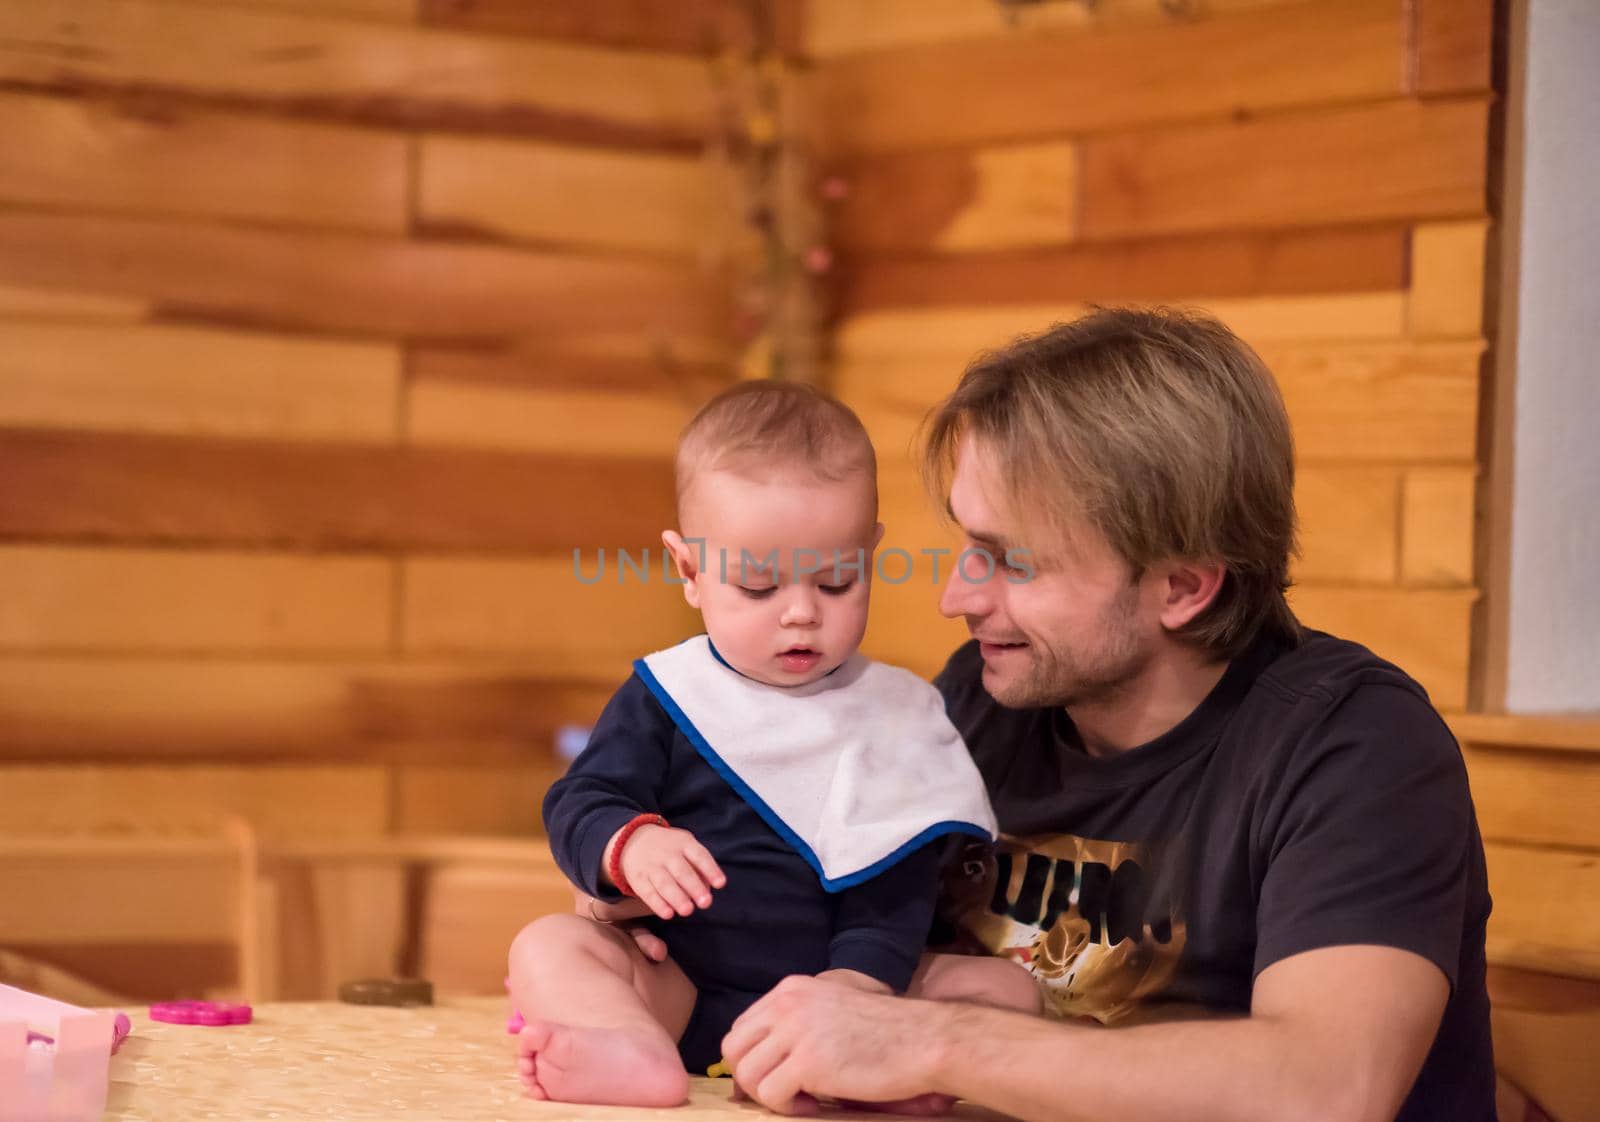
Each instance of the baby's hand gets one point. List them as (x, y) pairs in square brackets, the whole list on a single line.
[(669, 870)]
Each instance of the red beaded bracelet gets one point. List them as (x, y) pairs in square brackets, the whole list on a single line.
[(614, 865)]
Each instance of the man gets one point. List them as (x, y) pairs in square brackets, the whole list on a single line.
[(1202, 804)]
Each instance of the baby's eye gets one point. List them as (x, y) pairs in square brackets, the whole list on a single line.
[(837, 589), (758, 593)]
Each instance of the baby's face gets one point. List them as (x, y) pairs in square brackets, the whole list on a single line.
[(774, 601)]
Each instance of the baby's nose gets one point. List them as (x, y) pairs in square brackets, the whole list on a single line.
[(801, 607)]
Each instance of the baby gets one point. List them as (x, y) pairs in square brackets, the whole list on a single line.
[(773, 796)]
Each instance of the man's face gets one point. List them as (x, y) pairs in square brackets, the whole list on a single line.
[(782, 624), (1078, 631)]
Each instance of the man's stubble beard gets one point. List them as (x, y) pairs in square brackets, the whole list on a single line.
[(1059, 679)]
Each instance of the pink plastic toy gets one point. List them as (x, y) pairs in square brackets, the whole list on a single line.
[(121, 1026), (210, 1013), (55, 1058), (514, 1023)]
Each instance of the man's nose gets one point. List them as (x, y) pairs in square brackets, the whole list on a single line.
[(963, 597)]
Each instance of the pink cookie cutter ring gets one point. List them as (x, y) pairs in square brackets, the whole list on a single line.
[(209, 1013)]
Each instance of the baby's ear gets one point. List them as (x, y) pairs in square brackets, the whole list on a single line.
[(686, 560)]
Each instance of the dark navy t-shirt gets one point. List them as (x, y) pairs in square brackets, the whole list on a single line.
[(1314, 799)]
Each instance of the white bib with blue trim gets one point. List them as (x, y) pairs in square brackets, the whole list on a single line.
[(855, 770)]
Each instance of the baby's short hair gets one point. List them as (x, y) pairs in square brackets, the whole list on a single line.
[(756, 426)]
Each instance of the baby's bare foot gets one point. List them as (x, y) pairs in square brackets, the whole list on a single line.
[(611, 1066)]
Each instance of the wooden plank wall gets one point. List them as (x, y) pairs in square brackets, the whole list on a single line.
[(327, 330), (323, 339), (1314, 172)]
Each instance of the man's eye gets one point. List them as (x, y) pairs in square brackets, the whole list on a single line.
[(758, 593), (837, 589)]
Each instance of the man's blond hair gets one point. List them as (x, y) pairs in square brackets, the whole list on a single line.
[(1159, 428), (766, 427)]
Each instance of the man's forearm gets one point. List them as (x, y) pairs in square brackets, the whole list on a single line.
[(1240, 1068), (1335, 1035)]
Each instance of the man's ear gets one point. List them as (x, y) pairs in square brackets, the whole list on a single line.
[(1188, 588), (686, 559)]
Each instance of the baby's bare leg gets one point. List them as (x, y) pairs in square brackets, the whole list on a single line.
[(982, 980), (602, 1020)]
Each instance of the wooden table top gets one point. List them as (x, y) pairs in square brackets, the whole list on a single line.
[(324, 1060)]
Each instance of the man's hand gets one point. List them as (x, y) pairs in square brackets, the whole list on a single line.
[(814, 1035), (669, 870)]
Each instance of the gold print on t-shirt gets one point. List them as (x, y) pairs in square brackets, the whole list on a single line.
[(1077, 913)]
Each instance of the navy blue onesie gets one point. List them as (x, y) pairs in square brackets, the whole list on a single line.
[(773, 918)]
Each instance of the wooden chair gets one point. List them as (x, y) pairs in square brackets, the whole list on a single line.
[(149, 917), (472, 910), (1545, 1032), (441, 908), (130, 915)]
